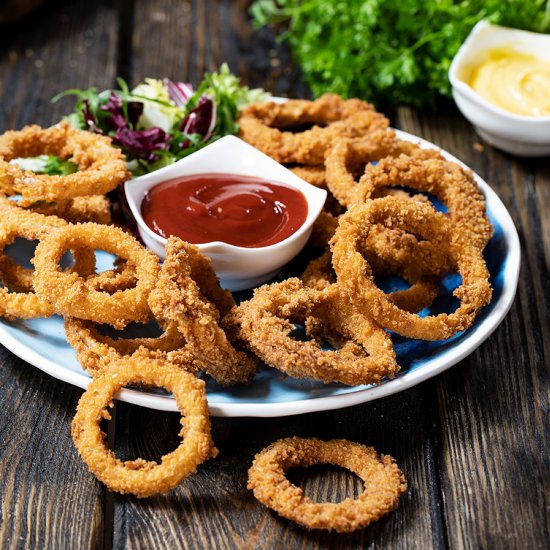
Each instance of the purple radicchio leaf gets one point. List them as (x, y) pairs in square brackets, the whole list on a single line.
[(178, 91), (117, 119), (143, 143), (202, 119)]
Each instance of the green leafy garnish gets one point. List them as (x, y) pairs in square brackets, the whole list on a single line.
[(385, 50), (47, 164)]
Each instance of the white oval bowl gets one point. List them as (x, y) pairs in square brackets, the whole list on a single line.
[(520, 135), (237, 267)]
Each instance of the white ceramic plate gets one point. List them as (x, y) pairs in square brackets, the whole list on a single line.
[(42, 343)]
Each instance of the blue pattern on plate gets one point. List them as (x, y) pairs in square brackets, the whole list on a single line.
[(47, 338)]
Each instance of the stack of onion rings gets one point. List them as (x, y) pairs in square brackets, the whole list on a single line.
[(355, 276), (188, 293), (364, 355), (262, 125)]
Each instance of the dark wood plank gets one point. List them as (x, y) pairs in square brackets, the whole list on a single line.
[(492, 407), (49, 499), (213, 508)]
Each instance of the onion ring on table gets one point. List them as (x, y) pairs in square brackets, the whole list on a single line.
[(69, 293), (422, 292), (188, 293), (262, 125), (101, 166), (141, 477), (96, 351), (22, 301), (454, 186), (348, 159), (384, 483), (355, 275), (265, 322)]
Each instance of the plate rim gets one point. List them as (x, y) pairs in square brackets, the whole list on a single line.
[(444, 361)]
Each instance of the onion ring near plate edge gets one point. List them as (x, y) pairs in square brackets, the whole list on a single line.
[(101, 167), (70, 294), (140, 477), (354, 273), (22, 301), (365, 354), (384, 483)]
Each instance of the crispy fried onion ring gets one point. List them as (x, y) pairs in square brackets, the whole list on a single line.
[(422, 292), (354, 273), (363, 351), (347, 160), (314, 175), (188, 293), (93, 208), (22, 301), (96, 351), (384, 483), (141, 477), (453, 185), (323, 229), (101, 167), (262, 125), (73, 297)]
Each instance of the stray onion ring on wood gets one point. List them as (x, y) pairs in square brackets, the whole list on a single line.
[(384, 483), (141, 477)]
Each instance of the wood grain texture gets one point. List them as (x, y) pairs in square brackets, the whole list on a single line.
[(49, 499), (213, 508)]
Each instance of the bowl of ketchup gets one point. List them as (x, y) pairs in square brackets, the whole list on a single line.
[(248, 213)]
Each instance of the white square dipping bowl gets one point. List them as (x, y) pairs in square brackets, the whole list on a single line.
[(527, 136), (237, 267)]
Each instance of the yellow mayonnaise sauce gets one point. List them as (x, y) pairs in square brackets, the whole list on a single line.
[(514, 81)]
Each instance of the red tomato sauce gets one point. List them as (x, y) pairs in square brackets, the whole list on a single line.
[(240, 210)]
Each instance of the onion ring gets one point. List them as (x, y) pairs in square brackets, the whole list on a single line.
[(69, 293), (101, 166), (96, 351), (314, 175), (355, 276), (267, 320), (140, 477), (347, 160), (188, 293), (453, 185), (93, 208), (261, 123), (422, 292), (384, 483), (23, 302)]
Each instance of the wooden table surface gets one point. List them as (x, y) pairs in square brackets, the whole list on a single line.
[(473, 442)]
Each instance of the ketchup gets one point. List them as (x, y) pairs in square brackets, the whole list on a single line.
[(240, 210)]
